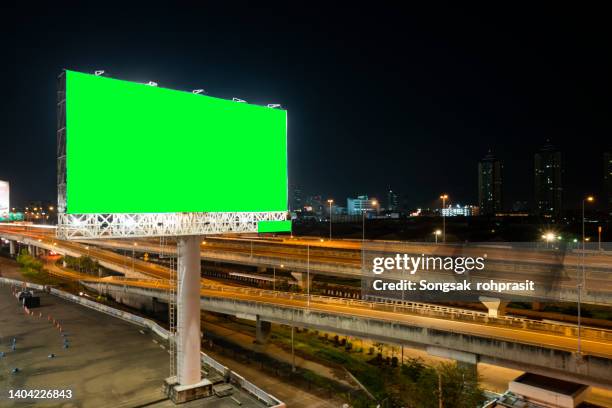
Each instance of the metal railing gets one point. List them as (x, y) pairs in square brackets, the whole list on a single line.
[(408, 307)]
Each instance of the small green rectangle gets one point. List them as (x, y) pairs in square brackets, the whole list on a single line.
[(273, 226)]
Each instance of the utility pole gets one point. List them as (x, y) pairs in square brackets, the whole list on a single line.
[(308, 273), (443, 197), (440, 405), (330, 201), (292, 351), (582, 278)]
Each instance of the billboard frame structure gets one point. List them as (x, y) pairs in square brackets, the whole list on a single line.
[(185, 382), (140, 225), (8, 199), (98, 226)]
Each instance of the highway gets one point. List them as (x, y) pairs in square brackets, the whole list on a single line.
[(367, 310), (555, 273), (539, 351), (445, 320), (347, 251), (506, 329), (448, 319)]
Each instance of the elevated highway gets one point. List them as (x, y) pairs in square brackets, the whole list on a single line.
[(127, 266), (470, 337), (556, 273)]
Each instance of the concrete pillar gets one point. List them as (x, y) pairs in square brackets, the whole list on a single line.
[(262, 331), (12, 249), (30, 250), (304, 280), (496, 307), (188, 311), (64, 264)]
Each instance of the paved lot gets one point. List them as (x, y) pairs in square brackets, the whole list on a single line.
[(108, 363)]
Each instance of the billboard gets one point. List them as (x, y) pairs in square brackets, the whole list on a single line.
[(135, 148), (4, 200)]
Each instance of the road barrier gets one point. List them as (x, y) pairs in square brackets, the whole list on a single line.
[(398, 306), (393, 306), (430, 310), (235, 378)]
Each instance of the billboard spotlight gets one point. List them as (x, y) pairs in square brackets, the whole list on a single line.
[(99, 72), (198, 91), (151, 83), (238, 100)]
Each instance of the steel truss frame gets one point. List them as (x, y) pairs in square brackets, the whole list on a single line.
[(96, 226)]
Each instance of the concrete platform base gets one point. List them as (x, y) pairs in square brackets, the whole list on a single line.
[(184, 393)]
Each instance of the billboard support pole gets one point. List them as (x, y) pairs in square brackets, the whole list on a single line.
[(187, 384), (188, 311)]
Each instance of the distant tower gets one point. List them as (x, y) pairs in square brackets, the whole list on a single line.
[(296, 202), (392, 201), (490, 184), (608, 181), (548, 188)]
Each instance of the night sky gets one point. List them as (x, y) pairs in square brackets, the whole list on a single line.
[(381, 96)]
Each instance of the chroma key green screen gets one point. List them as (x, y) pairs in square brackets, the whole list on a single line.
[(135, 148)]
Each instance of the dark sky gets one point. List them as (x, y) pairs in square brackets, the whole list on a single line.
[(380, 96)]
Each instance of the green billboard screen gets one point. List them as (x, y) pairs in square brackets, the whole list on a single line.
[(135, 148)]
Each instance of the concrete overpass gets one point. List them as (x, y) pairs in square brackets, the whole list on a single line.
[(547, 349), (129, 267), (556, 274), (463, 335)]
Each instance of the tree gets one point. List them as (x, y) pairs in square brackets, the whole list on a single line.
[(419, 385)]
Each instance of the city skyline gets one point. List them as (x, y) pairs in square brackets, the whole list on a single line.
[(402, 201), (384, 109), (306, 205), (489, 183)]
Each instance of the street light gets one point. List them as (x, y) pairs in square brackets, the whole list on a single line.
[(548, 237), (330, 202), (363, 211), (308, 273), (374, 203), (436, 233), (589, 199), (274, 275), (443, 197), (134, 256)]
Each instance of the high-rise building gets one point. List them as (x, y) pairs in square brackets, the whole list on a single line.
[(548, 188), (317, 204), (460, 210), (295, 201), (608, 181), (392, 201), (354, 206), (490, 184)]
